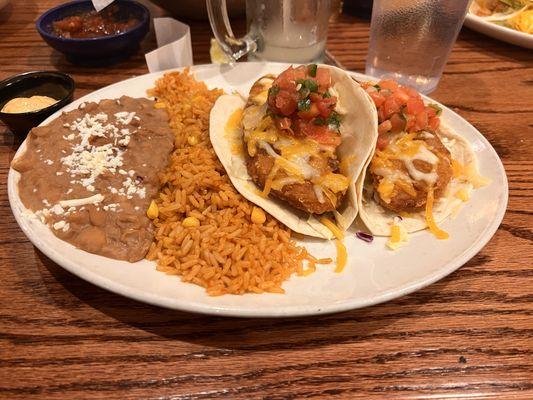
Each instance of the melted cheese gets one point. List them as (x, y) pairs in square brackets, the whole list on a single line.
[(469, 174), (342, 256), (333, 228), (261, 97), (269, 180), (432, 226), (398, 237), (407, 150), (422, 154), (234, 121), (334, 182), (293, 156), (385, 189), (462, 194)]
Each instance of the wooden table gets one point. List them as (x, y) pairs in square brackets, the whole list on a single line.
[(469, 335)]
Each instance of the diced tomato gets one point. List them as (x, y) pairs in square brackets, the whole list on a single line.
[(284, 124), (430, 111), (325, 105), (286, 102), (388, 84), (390, 106), (384, 127), (421, 121), (434, 123), (320, 133), (378, 99), (415, 105), (401, 95), (311, 113), (402, 107), (382, 142), (397, 123), (323, 77)]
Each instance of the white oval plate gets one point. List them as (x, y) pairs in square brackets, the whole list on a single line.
[(499, 32), (373, 275)]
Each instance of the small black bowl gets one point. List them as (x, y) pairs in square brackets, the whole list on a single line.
[(98, 51), (53, 84)]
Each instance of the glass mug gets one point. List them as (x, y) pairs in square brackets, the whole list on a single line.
[(278, 30)]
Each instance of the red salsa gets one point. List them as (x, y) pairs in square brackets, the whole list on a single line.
[(93, 24), (300, 103), (401, 109)]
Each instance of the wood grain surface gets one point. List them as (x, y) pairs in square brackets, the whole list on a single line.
[(468, 336)]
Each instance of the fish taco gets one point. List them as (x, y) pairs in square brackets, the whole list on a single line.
[(297, 144), (421, 171)]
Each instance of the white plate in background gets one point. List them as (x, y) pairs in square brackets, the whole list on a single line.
[(499, 32)]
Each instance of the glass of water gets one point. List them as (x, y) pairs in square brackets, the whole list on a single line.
[(410, 40), (278, 30)]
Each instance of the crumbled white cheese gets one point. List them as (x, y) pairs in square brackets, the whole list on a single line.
[(64, 226), (97, 198), (124, 117), (57, 209)]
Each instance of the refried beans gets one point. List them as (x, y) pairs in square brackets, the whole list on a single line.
[(91, 174)]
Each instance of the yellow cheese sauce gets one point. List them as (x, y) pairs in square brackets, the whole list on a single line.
[(28, 104), (232, 132)]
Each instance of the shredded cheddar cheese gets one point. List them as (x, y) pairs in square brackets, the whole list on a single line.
[(333, 228), (334, 182), (469, 173), (462, 194), (269, 179), (474, 177), (398, 237), (234, 121), (407, 187), (342, 256), (432, 226), (385, 189)]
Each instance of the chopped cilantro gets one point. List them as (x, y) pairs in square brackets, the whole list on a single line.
[(377, 87), (320, 121), (326, 95), (311, 70), (273, 91), (436, 107), (308, 84), (334, 120), (304, 104)]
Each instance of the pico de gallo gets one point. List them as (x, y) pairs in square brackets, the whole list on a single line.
[(301, 104), (400, 109)]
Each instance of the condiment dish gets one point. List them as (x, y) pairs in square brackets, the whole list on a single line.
[(56, 85), (95, 51)]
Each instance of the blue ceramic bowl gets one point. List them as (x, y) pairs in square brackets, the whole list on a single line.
[(96, 51)]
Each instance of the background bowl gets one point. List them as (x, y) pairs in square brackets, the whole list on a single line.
[(42, 83), (97, 51)]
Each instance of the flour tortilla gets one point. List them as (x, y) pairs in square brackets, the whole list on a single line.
[(359, 135), (379, 220)]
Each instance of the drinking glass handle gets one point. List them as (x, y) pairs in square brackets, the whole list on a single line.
[(234, 47)]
